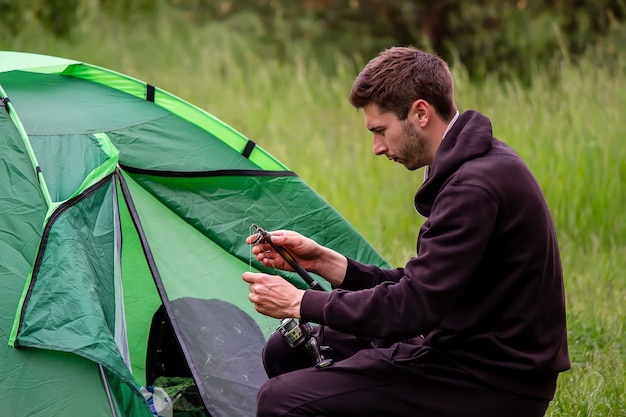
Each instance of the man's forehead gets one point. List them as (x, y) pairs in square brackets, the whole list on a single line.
[(375, 118)]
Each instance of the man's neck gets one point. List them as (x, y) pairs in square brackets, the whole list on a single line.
[(445, 132)]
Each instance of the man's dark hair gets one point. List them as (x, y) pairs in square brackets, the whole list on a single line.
[(398, 76)]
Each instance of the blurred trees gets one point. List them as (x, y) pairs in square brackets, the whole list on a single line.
[(503, 36), (63, 17), (507, 37)]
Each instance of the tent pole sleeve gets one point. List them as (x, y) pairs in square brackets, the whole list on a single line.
[(20, 128)]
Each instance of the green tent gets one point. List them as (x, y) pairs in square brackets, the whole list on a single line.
[(123, 217)]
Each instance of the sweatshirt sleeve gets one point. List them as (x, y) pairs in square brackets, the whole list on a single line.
[(450, 248), (360, 276)]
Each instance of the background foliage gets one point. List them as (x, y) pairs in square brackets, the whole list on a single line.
[(508, 37)]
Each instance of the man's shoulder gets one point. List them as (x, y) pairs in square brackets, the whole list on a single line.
[(497, 170)]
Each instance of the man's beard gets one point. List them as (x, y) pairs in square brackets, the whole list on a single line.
[(412, 154)]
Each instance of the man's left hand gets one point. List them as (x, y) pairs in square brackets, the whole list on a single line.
[(273, 296)]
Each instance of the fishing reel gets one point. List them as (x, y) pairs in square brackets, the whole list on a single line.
[(300, 335)]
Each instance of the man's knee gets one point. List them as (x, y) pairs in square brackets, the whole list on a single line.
[(275, 347), (279, 358)]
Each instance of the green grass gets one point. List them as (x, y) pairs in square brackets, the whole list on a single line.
[(570, 133)]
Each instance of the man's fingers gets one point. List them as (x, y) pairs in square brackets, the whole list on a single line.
[(250, 277)]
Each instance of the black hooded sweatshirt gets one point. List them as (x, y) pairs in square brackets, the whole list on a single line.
[(486, 288)]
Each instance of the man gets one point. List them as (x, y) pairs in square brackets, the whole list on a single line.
[(472, 326)]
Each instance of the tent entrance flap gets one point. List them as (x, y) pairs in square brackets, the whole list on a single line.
[(64, 382), (70, 302)]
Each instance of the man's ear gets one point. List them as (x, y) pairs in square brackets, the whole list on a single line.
[(420, 112)]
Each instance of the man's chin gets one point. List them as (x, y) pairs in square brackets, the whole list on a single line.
[(412, 166)]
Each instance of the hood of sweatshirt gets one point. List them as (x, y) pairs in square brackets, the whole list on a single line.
[(470, 137)]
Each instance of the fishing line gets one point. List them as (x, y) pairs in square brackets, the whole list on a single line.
[(270, 329)]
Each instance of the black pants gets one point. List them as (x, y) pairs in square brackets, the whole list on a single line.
[(366, 382)]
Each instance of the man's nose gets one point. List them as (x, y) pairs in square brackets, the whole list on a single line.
[(378, 145)]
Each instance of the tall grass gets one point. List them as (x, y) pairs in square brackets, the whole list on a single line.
[(569, 131)]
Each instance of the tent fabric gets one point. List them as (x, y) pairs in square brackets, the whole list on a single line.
[(125, 211), (33, 382)]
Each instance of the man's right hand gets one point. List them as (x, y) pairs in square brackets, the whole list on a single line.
[(313, 257), (304, 250)]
